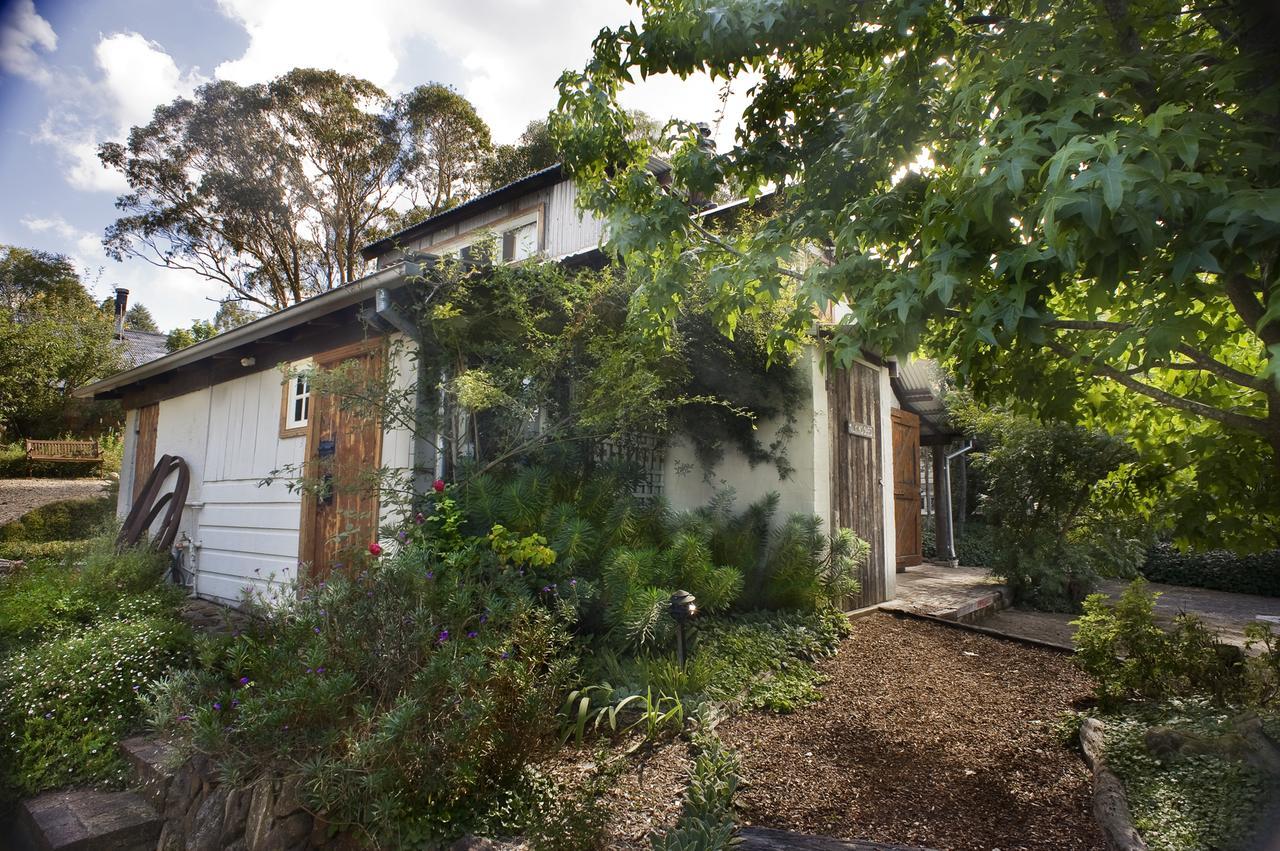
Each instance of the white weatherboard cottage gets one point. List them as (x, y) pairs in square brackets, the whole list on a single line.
[(225, 408)]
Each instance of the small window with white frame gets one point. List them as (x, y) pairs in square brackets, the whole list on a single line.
[(296, 404)]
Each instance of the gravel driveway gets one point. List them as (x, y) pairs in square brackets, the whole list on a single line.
[(18, 496)]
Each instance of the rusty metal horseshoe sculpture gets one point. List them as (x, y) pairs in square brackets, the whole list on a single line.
[(147, 507)]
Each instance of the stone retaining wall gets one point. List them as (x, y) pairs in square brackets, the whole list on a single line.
[(202, 814)]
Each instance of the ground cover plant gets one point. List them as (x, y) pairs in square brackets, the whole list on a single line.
[(78, 644), (1190, 722), (1180, 800)]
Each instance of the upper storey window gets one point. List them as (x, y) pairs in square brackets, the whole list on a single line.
[(513, 239)]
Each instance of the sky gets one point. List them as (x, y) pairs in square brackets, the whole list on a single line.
[(76, 74)]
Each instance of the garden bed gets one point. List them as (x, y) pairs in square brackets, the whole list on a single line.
[(926, 735)]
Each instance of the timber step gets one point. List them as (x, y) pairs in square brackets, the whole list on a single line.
[(769, 839), (88, 820)]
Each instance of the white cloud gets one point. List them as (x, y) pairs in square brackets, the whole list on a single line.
[(85, 247), (317, 33), (174, 296), (138, 75), (22, 34), (135, 75), (510, 52)]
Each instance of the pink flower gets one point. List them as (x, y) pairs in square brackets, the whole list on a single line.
[(375, 548), (438, 485)]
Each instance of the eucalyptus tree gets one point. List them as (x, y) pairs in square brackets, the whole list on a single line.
[(446, 143), (1084, 188), (272, 189)]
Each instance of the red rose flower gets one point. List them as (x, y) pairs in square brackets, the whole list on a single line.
[(375, 548), (438, 485)]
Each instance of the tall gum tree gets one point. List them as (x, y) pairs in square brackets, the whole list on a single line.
[(1066, 199)]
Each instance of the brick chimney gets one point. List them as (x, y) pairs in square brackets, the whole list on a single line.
[(122, 305)]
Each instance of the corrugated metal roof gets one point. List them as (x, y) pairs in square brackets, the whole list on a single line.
[(919, 387)]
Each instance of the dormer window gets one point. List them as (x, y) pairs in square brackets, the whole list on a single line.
[(514, 238)]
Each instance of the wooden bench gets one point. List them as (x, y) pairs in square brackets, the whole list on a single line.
[(87, 451)]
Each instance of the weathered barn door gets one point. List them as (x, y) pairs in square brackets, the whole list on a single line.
[(344, 452), (145, 429), (853, 406), (906, 488)]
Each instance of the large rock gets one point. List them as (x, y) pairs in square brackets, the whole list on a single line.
[(236, 814), (205, 833), (289, 833), (259, 820)]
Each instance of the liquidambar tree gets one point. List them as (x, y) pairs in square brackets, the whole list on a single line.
[(1083, 189)]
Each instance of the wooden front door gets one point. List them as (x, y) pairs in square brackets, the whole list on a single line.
[(853, 408), (906, 488), (344, 452), (144, 446)]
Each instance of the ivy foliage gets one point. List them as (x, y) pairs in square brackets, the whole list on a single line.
[(537, 354), (1074, 187)]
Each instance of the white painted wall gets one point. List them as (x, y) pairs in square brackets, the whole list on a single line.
[(807, 490), (245, 534), (687, 486)]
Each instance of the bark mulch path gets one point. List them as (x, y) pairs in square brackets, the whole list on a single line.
[(18, 496), (926, 735)]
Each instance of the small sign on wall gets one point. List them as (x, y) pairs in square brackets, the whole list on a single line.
[(860, 429)]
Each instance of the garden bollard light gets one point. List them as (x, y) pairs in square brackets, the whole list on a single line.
[(684, 607)]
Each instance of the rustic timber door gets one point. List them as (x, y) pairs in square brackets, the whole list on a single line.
[(344, 452), (853, 407), (144, 446), (906, 488)]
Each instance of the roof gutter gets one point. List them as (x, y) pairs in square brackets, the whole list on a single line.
[(292, 316)]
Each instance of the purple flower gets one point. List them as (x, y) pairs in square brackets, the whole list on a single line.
[(244, 681), (319, 670), (444, 636), (546, 589), (48, 715), (573, 583), (505, 655), (184, 717), (135, 688), (217, 707), (234, 703), (310, 670), (317, 629), (472, 634), (431, 574), (484, 619), (402, 536)]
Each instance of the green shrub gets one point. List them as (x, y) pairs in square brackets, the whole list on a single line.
[(1131, 657), (60, 551), (411, 696), (1221, 570), (71, 519), (1053, 517), (67, 701)]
